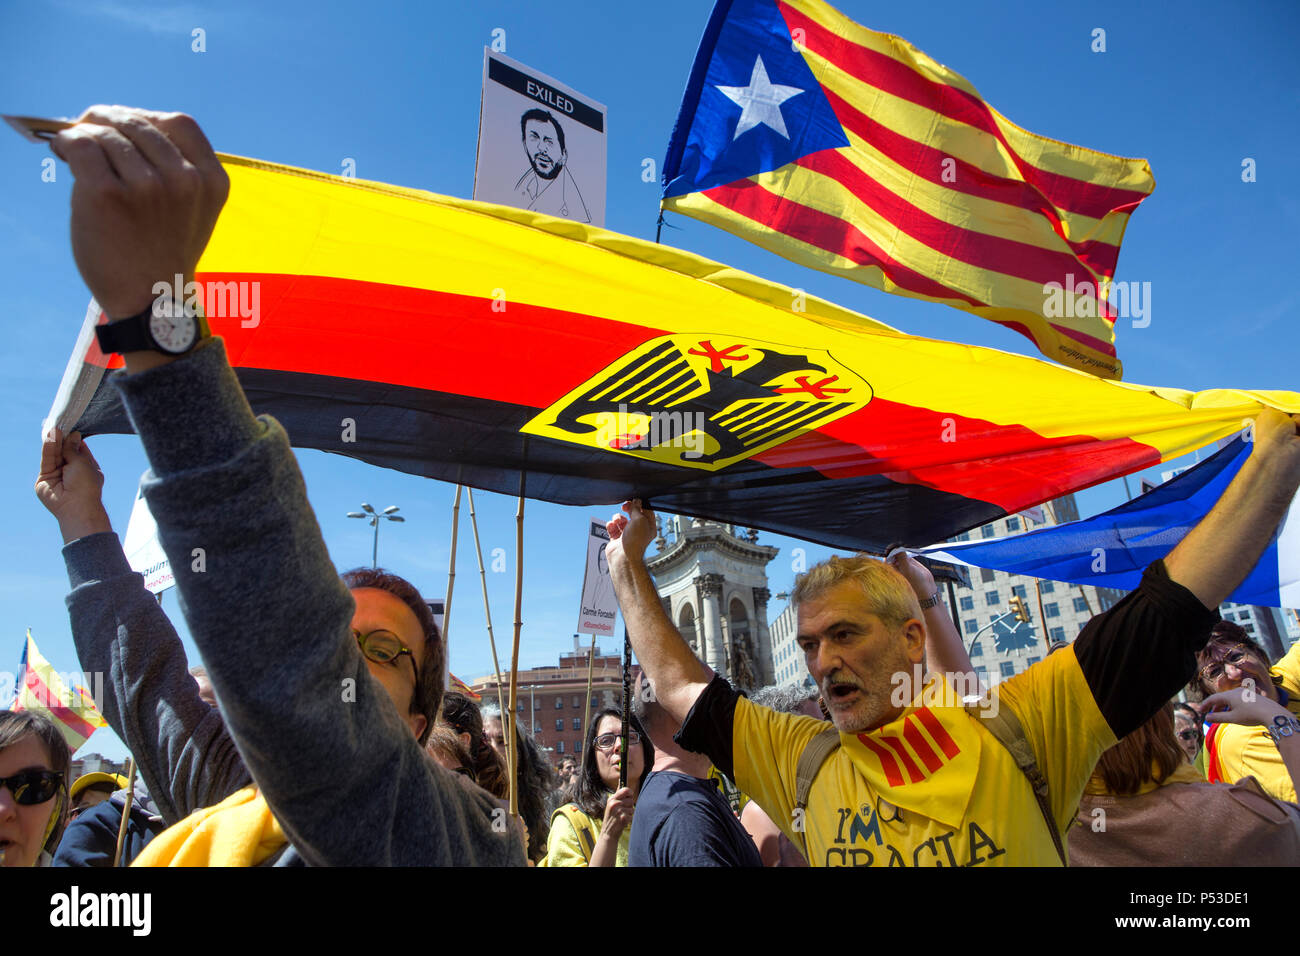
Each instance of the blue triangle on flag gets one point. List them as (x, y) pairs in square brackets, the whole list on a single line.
[(747, 83)]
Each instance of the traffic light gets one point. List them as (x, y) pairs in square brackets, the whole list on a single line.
[(1018, 606)]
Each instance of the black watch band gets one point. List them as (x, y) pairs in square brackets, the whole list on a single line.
[(125, 335)]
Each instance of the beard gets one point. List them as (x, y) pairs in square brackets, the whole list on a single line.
[(556, 166), (872, 705)]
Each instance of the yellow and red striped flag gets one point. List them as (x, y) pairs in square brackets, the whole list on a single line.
[(853, 152), (42, 689)]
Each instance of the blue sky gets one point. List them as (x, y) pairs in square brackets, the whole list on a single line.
[(1195, 88)]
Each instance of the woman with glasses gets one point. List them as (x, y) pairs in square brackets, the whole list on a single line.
[(34, 768), (593, 830), (1187, 728)]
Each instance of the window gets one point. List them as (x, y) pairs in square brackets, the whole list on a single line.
[(577, 723), (577, 701), (972, 626), (1081, 604), (1013, 524), (988, 575), (1047, 587), (1052, 610), (559, 703), (983, 673), (1248, 628), (559, 723), (1033, 661), (1019, 589), (577, 746), (521, 705), (992, 597), (1058, 633), (595, 702), (987, 531), (976, 650), (968, 603), (559, 748), (964, 536), (1008, 669)]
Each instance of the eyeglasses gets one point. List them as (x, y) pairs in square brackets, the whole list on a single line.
[(31, 787), (1188, 735), (1235, 656), (384, 647), (607, 742)]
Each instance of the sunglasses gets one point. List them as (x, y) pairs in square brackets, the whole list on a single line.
[(31, 787), (383, 647), (1235, 655), (609, 741)]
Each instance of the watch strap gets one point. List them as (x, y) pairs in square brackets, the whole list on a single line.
[(931, 601), (125, 335)]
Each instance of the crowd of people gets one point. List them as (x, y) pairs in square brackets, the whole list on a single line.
[(318, 731)]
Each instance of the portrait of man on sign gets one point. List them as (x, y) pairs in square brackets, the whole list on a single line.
[(547, 185)]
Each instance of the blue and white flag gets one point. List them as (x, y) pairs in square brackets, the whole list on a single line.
[(1113, 548)]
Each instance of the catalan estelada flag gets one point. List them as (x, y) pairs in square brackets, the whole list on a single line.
[(471, 343), (41, 689), (853, 152)]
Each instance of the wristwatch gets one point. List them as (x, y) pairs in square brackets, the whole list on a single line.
[(931, 601), (165, 326)]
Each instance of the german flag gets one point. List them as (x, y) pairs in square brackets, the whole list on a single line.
[(853, 152), (470, 342)]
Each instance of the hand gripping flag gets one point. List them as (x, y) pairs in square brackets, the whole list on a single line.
[(853, 152), (42, 689), (470, 342), (1112, 549)]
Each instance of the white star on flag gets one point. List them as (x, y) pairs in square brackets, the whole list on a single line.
[(760, 102)]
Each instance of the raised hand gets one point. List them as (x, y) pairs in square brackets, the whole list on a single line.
[(71, 486)]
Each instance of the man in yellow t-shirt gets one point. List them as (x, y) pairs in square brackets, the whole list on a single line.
[(916, 780), (1234, 751)]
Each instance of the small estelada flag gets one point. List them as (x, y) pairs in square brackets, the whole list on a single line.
[(42, 689)]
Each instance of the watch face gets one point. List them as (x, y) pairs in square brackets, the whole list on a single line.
[(173, 334)]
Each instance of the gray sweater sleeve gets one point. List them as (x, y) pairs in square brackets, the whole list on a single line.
[(339, 768), (180, 745)]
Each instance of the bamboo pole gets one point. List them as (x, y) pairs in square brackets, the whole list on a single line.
[(513, 753), (586, 722), (126, 812), (487, 611), (451, 583)]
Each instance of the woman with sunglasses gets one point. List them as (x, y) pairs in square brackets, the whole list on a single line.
[(594, 829), (34, 768)]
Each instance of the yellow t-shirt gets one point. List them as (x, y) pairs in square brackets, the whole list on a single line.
[(565, 848), (1235, 750), (934, 787)]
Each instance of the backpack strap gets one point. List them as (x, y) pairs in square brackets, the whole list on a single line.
[(581, 824), (817, 751), (1005, 726)]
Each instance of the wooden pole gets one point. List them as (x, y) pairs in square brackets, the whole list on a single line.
[(126, 811), (487, 611), (514, 649), (451, 583), (586, 723)]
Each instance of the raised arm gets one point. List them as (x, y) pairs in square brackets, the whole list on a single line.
[(678, 675), (944, 650), (1219, 552), (179, 742)]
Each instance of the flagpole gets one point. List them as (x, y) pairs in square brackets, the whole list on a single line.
[(591, 658), (451, 582), (659, 227), (487, 611), (1047, 643), (126, 811), (627, 704), (513, 751)]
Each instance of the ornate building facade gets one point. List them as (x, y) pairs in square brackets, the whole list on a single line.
[(712, 580)]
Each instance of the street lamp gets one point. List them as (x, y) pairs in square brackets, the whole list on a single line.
[(374, 516)]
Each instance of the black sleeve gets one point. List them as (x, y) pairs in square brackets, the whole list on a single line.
[(1137, 655), (707, 729)]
